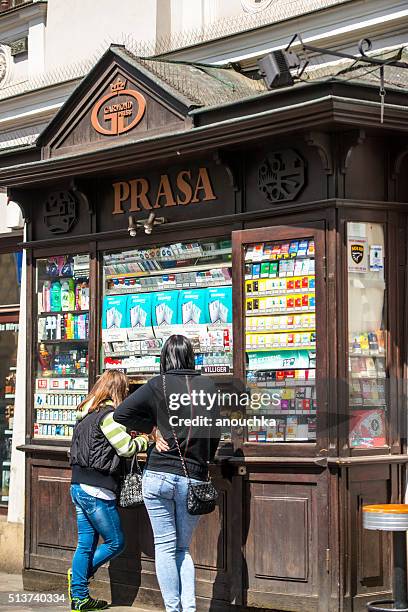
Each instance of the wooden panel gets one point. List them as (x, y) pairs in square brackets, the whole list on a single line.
[(286, 536), (209, 552), (53, 529), (273, 517)]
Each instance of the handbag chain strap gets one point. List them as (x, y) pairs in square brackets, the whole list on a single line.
[(134, 458), (183, 463)]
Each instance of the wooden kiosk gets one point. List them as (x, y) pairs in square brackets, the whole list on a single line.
[(290, 205)]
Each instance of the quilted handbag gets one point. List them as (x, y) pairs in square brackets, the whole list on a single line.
[(131, 487), (201, 497)]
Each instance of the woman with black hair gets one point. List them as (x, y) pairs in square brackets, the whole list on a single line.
[(182, 403)]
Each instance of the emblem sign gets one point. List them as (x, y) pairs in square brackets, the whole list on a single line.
[(357, 255), (281, 175), (60, 212), (119, 111), (357, 252)]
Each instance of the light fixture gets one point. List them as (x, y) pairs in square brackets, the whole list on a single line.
[(132, 227), (146, 224)]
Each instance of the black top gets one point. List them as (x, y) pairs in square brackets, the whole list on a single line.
[(93, 459), (146, 408)]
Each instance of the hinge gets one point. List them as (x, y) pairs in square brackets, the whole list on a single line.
[(324, 268), (327, 560)]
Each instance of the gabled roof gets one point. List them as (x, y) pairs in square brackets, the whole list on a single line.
[(170, 90)]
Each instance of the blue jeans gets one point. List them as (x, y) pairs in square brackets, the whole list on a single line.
[(95, 517), (165, 497)]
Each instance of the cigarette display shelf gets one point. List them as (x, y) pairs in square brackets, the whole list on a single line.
[(175, 269), (276, 311), (61, 312), (65, 341), (133, 289), (54, 422), (306, 347), (120, 259)]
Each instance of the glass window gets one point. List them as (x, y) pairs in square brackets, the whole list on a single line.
[(10, 278), (61, 366), (150, 294), (8, 362), (367, 327), (280, 337)]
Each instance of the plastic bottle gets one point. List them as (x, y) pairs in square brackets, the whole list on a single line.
[(67, 294), (55, 296), (46, 297)]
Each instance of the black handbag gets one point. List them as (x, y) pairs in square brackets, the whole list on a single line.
[(130, 494), (201, 497)]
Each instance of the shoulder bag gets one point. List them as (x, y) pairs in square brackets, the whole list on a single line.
[(130, 494), (201, 497)]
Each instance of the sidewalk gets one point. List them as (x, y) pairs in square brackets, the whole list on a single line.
[(11, 587)]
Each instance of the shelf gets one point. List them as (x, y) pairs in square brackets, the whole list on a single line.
[(283, 413), (38, 437), (192, 268), (73, 340), (61, 312), (79, 274), (274, 349), (138, 289), (369, 354), (280, 292), (289, 384), (268, 369), (291, 330), (262, 313), (183, 257), (45, 422), (289, 257)]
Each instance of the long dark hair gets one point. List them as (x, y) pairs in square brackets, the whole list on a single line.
[(177, 354)]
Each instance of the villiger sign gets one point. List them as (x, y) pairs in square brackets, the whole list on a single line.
[(118, 111)]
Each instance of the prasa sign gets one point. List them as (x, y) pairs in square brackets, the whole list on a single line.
[(186, 187)]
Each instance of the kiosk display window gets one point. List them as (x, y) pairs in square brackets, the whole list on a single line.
[(280, 339), (178, 288), (367, 328), (62, 335)]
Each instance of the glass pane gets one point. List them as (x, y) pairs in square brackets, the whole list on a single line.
[(10, 278), (367, 335), (62, 343), (8, 361), (150, 294), (280, 335)]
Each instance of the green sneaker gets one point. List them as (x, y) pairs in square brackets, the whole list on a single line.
[(88, 604), (69, 576)]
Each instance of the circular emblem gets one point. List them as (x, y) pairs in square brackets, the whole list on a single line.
[(119, 111), (254, 6), (60, 212), (281, 175), (4, 63)]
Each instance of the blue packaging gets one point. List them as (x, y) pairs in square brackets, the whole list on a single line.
[(139, 310), (219, 304), (192, 308), (114, 318), (164, 308)]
